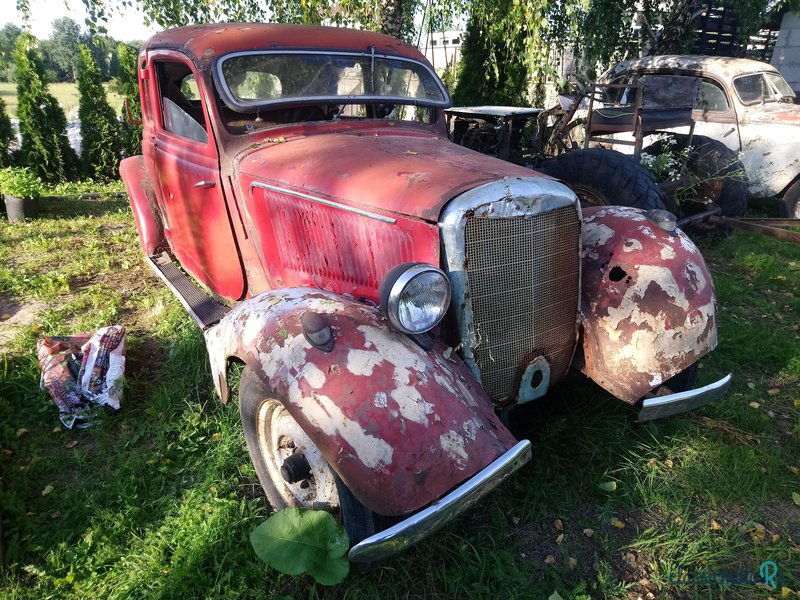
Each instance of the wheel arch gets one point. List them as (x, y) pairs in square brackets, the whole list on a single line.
[(399, 425)]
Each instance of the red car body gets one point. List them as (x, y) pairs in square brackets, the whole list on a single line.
[(285, 204)]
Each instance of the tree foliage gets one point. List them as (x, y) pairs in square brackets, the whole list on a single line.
[(126, 85), (101, 141), (6, 136), (490, 71), (62, 47), (8, 41), (45, 147)]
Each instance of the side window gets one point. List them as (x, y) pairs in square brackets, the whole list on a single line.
[(712, 97), (181, 107)]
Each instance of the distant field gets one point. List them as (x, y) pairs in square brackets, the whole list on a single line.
[(65, 93)]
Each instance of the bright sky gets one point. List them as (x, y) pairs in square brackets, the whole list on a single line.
[(124, 27)]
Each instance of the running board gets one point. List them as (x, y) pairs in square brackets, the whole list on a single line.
[(204, 309)]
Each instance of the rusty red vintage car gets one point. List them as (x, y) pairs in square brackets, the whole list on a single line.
[(390, 294)]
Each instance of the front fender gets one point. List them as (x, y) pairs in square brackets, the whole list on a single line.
[(647, 303), (401, 426)]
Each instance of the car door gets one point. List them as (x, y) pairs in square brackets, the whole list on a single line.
[(715, 114), (197, 223)]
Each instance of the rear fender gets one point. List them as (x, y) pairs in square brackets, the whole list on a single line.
[(142, 199), (401, 426), (647, 303)]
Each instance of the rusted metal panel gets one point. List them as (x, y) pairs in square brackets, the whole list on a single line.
[(403, 170), (400, 425), (311, 240), (205, 42), (137, 184), (648, 305)]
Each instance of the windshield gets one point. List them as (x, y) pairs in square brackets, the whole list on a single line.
[(255, 79), (780, 85), (762, 87)]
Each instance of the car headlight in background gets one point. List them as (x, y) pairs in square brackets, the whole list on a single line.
[(415, 297)]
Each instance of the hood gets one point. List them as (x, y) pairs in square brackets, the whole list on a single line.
[(773, 112), (399, 171)]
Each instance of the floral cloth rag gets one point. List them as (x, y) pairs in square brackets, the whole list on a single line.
[(83, 371)]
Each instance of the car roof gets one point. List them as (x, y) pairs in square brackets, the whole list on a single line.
[(205, 42), (723, 67)]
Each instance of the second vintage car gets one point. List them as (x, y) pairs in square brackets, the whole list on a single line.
[(390, 294)]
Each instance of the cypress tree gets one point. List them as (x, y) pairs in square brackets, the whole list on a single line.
[(45, 147), (487, 77), (6, 136), (101, 141), (126, 85)]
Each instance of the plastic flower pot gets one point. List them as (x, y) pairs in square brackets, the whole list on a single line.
[(19, 209)]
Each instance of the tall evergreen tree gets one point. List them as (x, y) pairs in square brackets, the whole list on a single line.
[(45, 147), (101, 143), (6, 136), (491, 71)]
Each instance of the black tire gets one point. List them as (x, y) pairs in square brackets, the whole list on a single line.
[(790, 203), (711, 159), (683, 381), (256, 406), (605, 177)]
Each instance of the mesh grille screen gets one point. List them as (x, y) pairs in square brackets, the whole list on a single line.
[(523, 275)]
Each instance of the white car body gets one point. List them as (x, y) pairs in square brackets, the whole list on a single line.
[(744, 104)]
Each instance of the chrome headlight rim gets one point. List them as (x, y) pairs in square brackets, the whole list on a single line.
[(394, 284)]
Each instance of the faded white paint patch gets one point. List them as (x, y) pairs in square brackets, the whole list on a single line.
[(411, 405), (363, 362), (396, 349), (445, 383), (313, 376), (290, 357), (629, 305), (667, 252), (380, 401), (631, 245), (453, 444), (471, 428), (323, 412), (648, 232), (596, 234)]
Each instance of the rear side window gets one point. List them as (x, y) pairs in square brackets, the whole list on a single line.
[(181, 108), (712, 97)]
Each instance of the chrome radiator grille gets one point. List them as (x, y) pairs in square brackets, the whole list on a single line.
[(523, 276)]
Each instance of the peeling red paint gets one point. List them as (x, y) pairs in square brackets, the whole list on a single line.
[(400, 425), (648, 305)]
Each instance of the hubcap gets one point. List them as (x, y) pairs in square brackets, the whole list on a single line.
[(284, 444)]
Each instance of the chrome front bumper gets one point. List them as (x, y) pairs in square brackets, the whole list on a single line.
[(672, 404), (397, 538)]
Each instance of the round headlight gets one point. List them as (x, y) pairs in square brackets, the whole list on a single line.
[(415, 297)]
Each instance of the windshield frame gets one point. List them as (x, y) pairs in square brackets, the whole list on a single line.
[(239, 106)]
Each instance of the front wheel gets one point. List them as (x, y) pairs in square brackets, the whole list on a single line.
[(290, 467)]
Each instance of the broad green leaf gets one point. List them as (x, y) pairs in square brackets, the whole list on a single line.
[(555, 596), (297, 540), (796, 498), (608, 486)]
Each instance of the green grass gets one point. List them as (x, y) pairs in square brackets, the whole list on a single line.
[(158, 500), (65, 93)]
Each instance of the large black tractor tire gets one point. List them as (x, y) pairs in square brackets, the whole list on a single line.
[(790, 203), (605, 177), (711, 159)]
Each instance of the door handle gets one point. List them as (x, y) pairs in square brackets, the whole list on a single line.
[(205, 184)]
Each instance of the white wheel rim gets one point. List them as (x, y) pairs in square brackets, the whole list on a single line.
[(280, 436)]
